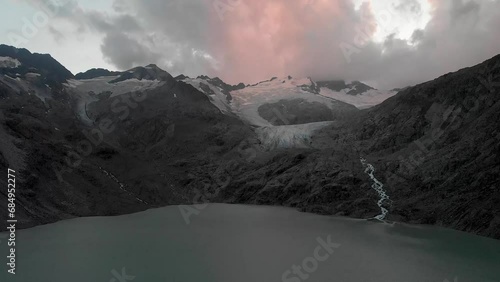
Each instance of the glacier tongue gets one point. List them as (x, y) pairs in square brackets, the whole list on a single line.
[(288, 136)]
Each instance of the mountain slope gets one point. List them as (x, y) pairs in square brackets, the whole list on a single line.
[(95, 146), (95, 73), (136, 150), (434, 146), (50, 70)]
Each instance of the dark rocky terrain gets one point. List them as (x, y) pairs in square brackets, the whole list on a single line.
[(93, 73), (150, 72), (435, 147), (53, 73)]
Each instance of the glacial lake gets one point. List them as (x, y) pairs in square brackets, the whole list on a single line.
[(239, 243)]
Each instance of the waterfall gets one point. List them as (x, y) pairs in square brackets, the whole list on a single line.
[(377, 186)]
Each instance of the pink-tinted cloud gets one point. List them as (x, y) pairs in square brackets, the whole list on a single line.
[(260, 38), (252, 40)]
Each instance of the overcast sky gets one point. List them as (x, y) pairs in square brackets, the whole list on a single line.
[(386, 43)]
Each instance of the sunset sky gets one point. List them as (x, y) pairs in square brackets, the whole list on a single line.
[(387, 43)]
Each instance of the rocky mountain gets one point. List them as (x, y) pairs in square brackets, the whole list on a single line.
[(149, 72), (81, 153), (434, 146), (26, 65), (95, 73), (104, 143)]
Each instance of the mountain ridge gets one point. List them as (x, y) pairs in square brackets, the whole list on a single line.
[(94, 148)]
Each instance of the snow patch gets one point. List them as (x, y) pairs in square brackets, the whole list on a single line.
[(218, 98), (24, 85), (32, 75), (81, 89), (8, 62), (101, 84), (73, 83)]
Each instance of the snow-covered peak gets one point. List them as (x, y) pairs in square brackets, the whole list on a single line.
[(355, 93), (348, 87), (365, 100), (95, 73), (150, 72), (286, 111), (283, 82)]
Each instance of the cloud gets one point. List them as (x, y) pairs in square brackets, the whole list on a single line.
[(253, 40), (260, 38), (58, 36), (412, 6), (462, 9), (125, 52), (460, 34)]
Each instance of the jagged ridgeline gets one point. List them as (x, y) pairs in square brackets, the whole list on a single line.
[(113, 142)]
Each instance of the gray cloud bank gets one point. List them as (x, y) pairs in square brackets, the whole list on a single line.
[(252, 40)]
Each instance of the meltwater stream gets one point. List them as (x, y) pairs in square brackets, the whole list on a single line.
[(237, 243), (377, 186), (121, 185)]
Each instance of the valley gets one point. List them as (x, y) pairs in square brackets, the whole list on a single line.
[(107, 143)]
